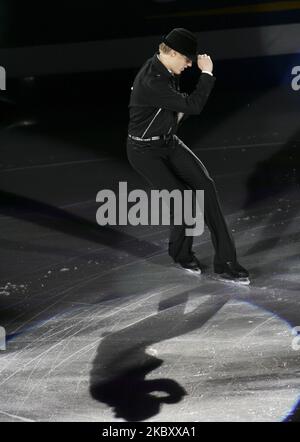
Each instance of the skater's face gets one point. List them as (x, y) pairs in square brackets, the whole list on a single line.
[(179, 62)]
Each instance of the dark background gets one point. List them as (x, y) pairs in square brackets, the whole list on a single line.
[(49, 22), (32, 24), (89, 104)]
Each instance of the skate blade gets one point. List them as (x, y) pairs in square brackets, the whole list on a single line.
[(190, 271), (194, 272), (241, 281)]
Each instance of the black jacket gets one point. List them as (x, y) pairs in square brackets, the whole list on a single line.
[(155, 93)]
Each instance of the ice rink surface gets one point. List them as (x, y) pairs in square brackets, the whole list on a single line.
[(101, 326)]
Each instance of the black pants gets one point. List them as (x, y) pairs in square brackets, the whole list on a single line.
[(171, 165)]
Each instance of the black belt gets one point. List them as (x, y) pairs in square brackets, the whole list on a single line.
[(158, 137)]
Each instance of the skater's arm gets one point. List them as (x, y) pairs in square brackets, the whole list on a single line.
[(160, 93)]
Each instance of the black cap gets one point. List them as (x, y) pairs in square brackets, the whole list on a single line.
[(183, 41)]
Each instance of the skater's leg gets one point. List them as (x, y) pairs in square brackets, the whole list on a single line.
[(150, 163), (190, 169)]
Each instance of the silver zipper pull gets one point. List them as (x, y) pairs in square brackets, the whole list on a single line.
[(151, 122)]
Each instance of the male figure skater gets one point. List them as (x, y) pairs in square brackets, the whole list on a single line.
[(156, 108)]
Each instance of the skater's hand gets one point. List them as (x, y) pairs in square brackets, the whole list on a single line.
[(204, 63)]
